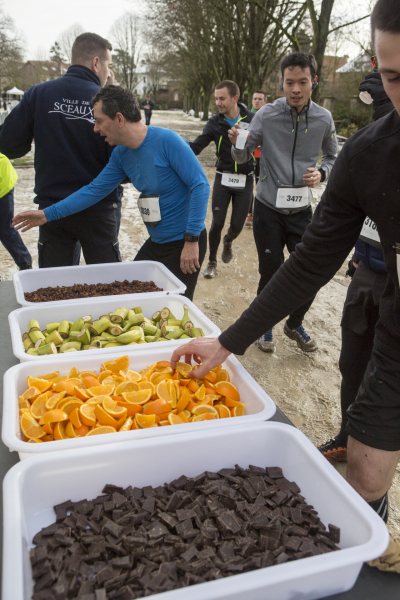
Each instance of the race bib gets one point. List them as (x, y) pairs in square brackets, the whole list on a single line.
[(233, 180), (149, 208), (293, 197), (369, 233)]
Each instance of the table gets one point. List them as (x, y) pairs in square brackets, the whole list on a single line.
[(371, 583)]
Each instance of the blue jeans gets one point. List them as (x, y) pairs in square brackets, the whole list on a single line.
[(9, 237)]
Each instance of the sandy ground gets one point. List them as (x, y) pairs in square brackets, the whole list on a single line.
[(305, 387)]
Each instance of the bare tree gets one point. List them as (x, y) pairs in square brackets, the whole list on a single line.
[(67, 38), (155, 72), (125, 34), (11, 49)]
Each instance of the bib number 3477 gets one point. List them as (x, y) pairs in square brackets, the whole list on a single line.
[(293, 197)]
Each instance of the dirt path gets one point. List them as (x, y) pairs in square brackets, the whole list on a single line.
[(305, 387)]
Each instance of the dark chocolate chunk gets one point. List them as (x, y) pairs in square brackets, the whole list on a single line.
[(157, 530), (101, 594), (334, 533), (228, 522), (167, 519), (190, 553), (274, 472), (184, 514)]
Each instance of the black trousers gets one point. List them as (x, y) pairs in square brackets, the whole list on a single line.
[(169, 254), (96, 230), (360, 315), (9, 236), (272, 232), (221, 197)]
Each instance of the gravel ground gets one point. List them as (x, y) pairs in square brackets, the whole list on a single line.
[(306, 387)]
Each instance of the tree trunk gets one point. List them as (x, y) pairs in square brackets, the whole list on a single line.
[(320, 38), (196, 102), (206, 104)]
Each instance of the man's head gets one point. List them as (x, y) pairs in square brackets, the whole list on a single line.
[(94, 52), (148, 97), (385, 28), (114, 108), (299, 74), (258, 100), (226, 96)]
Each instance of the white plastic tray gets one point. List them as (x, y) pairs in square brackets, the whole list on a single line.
[(146, 270), (54, 312), (259, 406), (33, 487)]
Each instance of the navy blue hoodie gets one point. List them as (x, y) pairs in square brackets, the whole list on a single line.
[(58, 115)]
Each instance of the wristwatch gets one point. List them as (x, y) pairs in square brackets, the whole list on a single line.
[(188, 237)]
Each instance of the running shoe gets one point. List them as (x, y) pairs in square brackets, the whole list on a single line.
[(211, 270), (227, 253), (265, 342), (301, 337), (249, 222), (335, 449)]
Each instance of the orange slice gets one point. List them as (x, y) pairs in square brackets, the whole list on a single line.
[(211, 377), (24, 403), (95, 400), (64, 386), (205, 409), (157, 377), (53, 416), (183, 368), (223, 375), (47, 438), (54, 400), (83, 374), (70, 430), (126, 386), (192, 386), (227, 389), (101, 430), (80, 393), (73, 373), (167, 391), (50, 375), (203, 417), (164, 423), (145, 421), (87, 414), (127, 425), (140, 397), (71, 405), (132, 409), (103, 417), (90, 381), (30, 428), (238, 411), (81, 431), (131, 375), (101, 390), (157, 407), (113, 409), (38, 408), (174, 419), (163, 364), (40, 384), (191, 406), (182, 416), (183, 400), (31, 393), (118, 364), (59, 432), (75, 418), (200, 394), (48, 428), (232, 403), (145, 373), (223, 411), (35, 441), (103, 375)]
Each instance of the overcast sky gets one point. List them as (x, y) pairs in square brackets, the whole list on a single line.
[(42, 21)]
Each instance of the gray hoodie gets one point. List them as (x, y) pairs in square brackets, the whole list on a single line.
[(290, 143)]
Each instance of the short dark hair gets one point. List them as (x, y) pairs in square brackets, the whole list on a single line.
[(116, 99), (385, 17), (302, 60), (259, 92), (231, 86), (88, 45)]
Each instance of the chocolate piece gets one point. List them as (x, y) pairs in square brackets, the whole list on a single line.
[(334, 533)]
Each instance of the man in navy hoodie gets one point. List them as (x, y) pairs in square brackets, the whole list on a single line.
[(58, 115)]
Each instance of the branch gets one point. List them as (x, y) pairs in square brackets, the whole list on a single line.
[(313, 14), (291, 37), (347, 24)]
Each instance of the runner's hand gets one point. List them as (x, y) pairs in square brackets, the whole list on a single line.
[(190, 257), (313, 178), (28, 219), (207, 351), (233, 134)]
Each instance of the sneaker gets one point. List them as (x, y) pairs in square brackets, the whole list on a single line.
[(265, 342), (335, 449), (249, 222), (301, 337), (227, 253), (211, 270)]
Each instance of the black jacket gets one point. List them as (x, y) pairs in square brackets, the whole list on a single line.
[(365, 180), (216, 131), (58, 115)]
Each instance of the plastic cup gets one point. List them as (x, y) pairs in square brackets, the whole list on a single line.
[(241, 139)]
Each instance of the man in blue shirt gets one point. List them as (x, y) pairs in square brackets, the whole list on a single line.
[(174, 189)]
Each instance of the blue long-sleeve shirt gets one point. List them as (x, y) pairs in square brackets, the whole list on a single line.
[(163, 165)]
